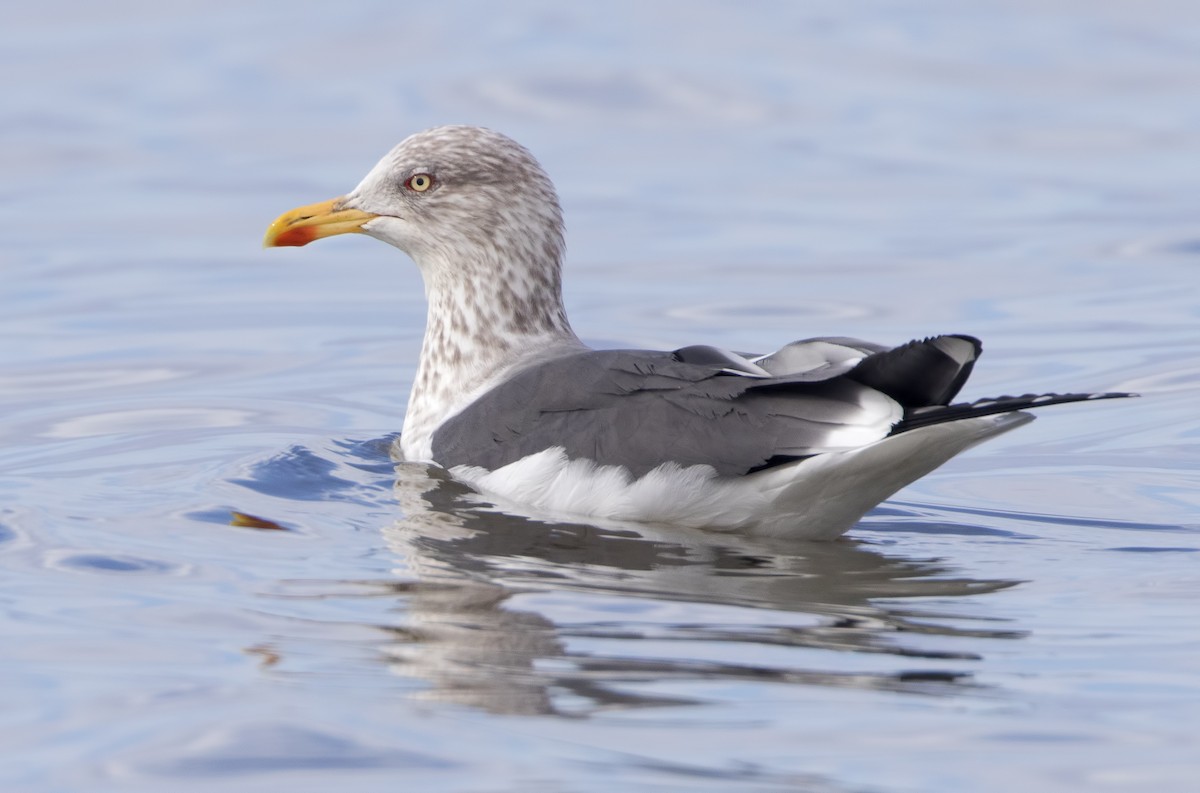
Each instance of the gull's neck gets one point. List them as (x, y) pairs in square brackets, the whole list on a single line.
[(486, 318)]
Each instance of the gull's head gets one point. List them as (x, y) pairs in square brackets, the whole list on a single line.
[(448, 197)]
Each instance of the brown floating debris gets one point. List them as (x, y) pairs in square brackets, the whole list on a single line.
[(247, 521)]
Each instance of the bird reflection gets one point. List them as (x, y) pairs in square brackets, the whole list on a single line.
[(530, 616)]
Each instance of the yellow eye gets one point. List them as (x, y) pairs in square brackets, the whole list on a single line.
[(419, 182)]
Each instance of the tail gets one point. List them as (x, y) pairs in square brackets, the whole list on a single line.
[(940, 414)]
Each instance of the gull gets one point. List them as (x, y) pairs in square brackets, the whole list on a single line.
[(798, 443)]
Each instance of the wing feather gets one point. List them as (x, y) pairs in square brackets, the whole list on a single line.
[(706, 406), (641, 409)]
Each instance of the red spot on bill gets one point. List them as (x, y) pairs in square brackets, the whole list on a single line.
[(295, 237)]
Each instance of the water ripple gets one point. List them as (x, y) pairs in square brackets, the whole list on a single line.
[(119, 563)]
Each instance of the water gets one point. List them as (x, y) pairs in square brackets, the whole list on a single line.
[(740, 175)]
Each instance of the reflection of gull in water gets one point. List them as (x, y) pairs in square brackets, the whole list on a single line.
[(521, 616), (800, 442)]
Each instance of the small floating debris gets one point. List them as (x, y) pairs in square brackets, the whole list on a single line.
[(247, 521)]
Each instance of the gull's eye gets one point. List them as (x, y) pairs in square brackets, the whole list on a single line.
[(419, 182)]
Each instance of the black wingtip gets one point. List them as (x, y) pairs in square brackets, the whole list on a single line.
[(926, 416), (922, 373)]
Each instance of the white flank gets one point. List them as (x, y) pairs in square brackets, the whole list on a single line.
[(818, 498)]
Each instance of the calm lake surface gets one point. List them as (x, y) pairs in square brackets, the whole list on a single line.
[(1027, 618)]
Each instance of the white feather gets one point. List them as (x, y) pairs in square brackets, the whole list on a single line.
[(819, 497)]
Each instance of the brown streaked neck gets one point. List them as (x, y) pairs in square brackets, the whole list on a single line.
[(484, 319)]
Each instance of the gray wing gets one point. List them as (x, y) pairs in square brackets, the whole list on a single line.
[(707, 406), (701, 405)]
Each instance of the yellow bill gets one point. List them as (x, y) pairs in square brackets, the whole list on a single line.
[(305, 224)]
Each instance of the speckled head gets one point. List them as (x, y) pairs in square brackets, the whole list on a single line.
[(452, 198), (458, 192), (481, 219)]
